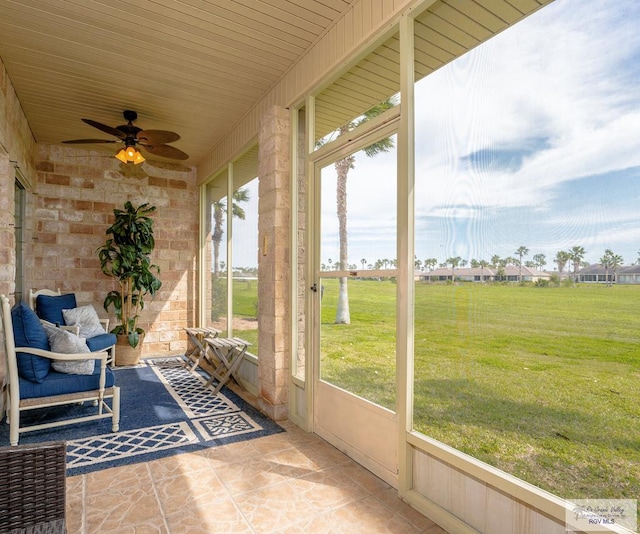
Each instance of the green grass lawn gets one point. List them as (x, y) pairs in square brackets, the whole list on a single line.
[(543, 383), (245, 306), (540, 382)]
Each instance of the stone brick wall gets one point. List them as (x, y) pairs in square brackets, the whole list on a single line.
[(16, 151), (74, 196), (7, 234), (274, 328), (301, 257), (16, 139)]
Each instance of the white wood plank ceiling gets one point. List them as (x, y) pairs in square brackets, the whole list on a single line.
[(195, 67)]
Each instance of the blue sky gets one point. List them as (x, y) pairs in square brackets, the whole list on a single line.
[(530, 139)]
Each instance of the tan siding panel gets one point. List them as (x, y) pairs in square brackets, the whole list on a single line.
[(259, 26), (376, 12), (340, 40), (428, 34), (478, 13), (501, 9), (307, 10), (348, 26), (439, 54), (525, 6), (459, 19), (331, 9), (358, 22), (444, 27)]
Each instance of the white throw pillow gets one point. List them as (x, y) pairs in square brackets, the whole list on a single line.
[(68, 343), (86, 318)]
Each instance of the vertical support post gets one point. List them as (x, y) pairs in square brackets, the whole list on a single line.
[(406, 219), (274, 269)]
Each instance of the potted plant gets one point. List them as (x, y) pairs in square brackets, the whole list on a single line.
[(126, 256)]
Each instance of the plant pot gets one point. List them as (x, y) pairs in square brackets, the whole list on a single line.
[(125, 353)]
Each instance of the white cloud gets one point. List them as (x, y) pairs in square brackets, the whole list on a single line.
[(551, 77)]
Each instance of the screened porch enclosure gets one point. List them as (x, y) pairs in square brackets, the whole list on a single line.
[(511, 158)]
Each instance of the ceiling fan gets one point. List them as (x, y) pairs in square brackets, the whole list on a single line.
[(152, 141)]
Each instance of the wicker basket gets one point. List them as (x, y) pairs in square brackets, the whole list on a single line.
[(32, 488), (125, 353)]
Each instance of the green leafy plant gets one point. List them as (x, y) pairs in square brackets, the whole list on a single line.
[(126, 256)]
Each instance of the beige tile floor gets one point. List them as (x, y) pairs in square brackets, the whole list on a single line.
[(291, 482)]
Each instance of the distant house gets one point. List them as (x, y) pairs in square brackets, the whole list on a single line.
[(628, 275), (510, 273), (444, 274), (596, 274)]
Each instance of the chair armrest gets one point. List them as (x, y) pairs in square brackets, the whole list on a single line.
[(102, 355), (105, 324)]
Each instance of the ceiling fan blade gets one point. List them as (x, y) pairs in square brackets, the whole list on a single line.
[(165, 151), (80, 141), (157, 137), (107, 129)]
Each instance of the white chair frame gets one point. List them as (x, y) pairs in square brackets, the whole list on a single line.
[(15, 405)]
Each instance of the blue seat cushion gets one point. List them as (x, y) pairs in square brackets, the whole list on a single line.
[(63, 383), (50, 307), (29, 332), (101, 342)]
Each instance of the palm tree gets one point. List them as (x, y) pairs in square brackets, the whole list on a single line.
[(495, 260), (429, 264), (483, 265), (562, 257), (576, 254), (343, 166), (540, 260), (522, 251), (219, 211), (454, 262), (610, 261)]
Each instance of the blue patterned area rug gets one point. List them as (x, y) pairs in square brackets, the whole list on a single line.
[(164, 410)]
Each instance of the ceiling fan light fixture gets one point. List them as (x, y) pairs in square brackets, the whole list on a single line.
[(122, 155), (129, 154), (154, 141)]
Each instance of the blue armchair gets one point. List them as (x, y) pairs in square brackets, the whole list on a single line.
[(34, 383)]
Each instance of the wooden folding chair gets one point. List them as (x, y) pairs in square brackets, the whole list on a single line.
[(227, 357)]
